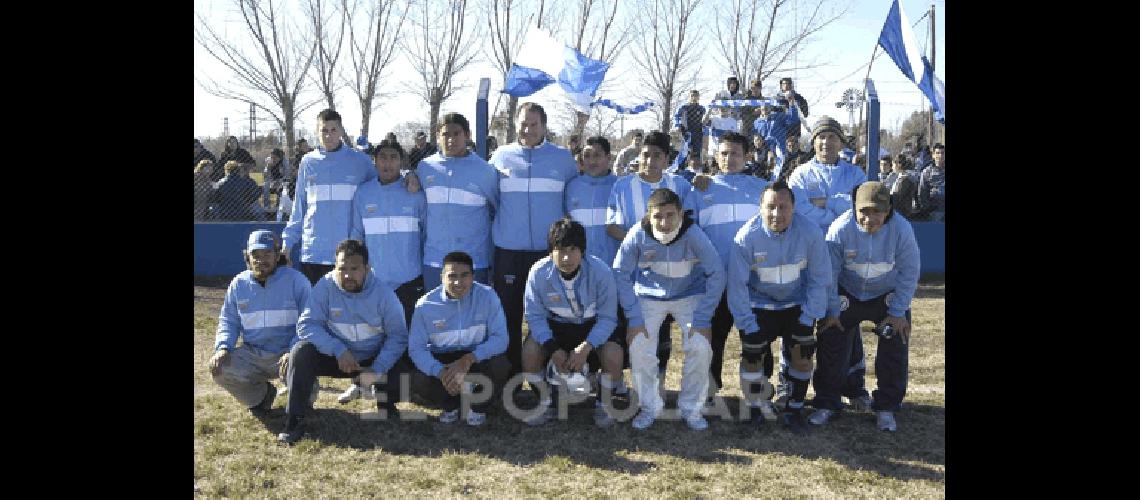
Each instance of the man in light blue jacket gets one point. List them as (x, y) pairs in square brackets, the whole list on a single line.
[(779, 273), (666, 265), (352, 326), (457, 340), (261, 307), (533, 173), (875, 258), (571, 307)]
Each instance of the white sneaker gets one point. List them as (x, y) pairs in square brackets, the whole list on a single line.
[(768, 410), (696, 422), (475, 419), (887, 421), (820, 416), (861, 403), (644, 419), (353, 392), (449, 417), (602, 417)]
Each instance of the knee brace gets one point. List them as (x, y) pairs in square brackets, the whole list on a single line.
[(805, 338), (755, 348)]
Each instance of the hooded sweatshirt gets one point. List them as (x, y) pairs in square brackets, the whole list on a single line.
[(594, 297), (586, 200)]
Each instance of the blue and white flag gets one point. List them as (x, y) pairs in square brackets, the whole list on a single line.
[(740, 103), (897, 40), (622, 109), (544, 60)]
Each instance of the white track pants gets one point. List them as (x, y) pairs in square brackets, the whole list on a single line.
[(643, 355), (246, 373)]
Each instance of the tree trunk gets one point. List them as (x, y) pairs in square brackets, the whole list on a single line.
[(512, 111), (433, 130), (665, 109)]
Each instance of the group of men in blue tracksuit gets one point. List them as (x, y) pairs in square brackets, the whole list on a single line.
[(594, 263)]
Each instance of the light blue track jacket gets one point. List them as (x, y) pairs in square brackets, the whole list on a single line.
[(644, 269), (869, 265), (266, 317), (390, 222), (629, 197), (368, 323), (322, 209), (777, 271), (729, 202), (441, 324), (531, 186), (834, 183), (595, 296), (586, 200), (462, 195)]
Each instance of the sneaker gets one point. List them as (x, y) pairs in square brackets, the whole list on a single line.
[(266, 403), (861, 403), (887, 421), (696, 422), (294, 429), (644, 419), (820, 416), (541, 417), (353, 392), (602, 417), (475, 419), (449, 417), (794, 421), (768, 410)]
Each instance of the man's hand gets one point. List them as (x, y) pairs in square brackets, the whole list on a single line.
[(559, 358), (220, 357), (368, 378), (453, 373), (412, 182), (901, 326), (347, 362), (631, 333), (579, 357), (829, 322), (283, 366), (701, 182)]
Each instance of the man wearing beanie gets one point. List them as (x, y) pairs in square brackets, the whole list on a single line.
[(261, 307), (875, 261), (823, 188)]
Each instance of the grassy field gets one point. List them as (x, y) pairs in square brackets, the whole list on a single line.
[(347, 454)]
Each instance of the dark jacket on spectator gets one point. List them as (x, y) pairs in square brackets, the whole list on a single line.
[(240, 155), (233, 197), (416, 154), (205, 154)]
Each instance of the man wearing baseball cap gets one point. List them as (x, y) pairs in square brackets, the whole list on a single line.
[(262, 305), (875, 259)]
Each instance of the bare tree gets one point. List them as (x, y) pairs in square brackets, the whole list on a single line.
[(506, 40), (372, 50), (272, 75), (328, 34), (667, 55), (756, 37), (443, 44), (597, 27)]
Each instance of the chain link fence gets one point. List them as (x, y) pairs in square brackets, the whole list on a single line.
[(232, 186)]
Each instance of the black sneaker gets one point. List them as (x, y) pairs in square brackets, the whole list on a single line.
[(756, 419), (266, 403), (795, 422), (294, 429)]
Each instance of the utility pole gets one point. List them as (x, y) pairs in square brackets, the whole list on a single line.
[(252, 124), (225, 127)]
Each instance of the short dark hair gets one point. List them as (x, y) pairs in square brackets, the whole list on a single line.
[(388, 144), (457, 119), (277, 152), (459, 258), (533, 106), (638, 133), (736, 138), (661, 197), (599, 141), (327, 115), (938, 145), (659, 139), (691, 92), (778, 186), (352, 247), (786, 79), (299, 141), (566, 232)]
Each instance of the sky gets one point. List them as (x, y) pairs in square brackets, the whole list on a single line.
[(845, 47)]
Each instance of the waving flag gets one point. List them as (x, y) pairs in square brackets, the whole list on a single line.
[(544, 60), (897, 39)]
